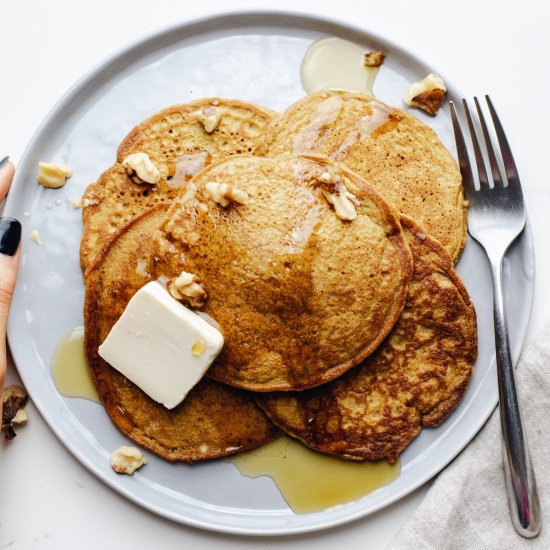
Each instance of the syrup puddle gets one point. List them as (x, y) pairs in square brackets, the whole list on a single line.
[(310, 481), (336, 64), (69, 367)]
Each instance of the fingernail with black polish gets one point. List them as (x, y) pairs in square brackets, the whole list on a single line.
[(4, 161), (10, 235)]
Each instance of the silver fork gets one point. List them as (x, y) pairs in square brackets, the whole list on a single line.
[(496, 216)]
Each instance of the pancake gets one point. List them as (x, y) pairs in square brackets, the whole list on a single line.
[(394, 151), (214, 420), (301, 295), (179, 145), (415, 379)]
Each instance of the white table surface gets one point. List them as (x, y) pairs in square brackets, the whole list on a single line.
[(47, 499)]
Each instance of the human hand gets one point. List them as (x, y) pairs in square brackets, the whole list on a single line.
[(10, 237)]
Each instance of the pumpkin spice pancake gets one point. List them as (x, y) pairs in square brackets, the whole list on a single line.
[(178, 142), (214, 420), (415, 379), (393, 150), (304, 266)]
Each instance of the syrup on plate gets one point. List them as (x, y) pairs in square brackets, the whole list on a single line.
[(336, 64), (69, 367), (310, 481)]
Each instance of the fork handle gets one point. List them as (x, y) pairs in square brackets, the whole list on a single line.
[(520, 476)]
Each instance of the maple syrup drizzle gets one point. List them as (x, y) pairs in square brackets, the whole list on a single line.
[(336, 64), (310, 481), (69, 367)]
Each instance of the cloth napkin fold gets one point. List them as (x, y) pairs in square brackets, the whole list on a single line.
[(467, 505)]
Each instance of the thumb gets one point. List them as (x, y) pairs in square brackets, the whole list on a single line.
[(10, 237)]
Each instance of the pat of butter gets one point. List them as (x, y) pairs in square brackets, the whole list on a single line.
[(154, 344)]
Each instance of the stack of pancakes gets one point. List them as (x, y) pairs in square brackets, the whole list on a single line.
[(350, 335)]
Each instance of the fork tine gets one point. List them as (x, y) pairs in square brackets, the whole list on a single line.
[(462, 150), (497, 178), (482, 173), (509, 163)]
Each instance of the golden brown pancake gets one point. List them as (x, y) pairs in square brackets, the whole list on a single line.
[(300, 294), (179, 145), (395, 152), (214, 420), (415, 379)]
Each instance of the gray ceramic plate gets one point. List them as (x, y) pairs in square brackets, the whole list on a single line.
[(255, 57)]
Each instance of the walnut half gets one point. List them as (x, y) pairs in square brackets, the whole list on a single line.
[(187, 288), (141, 168), (335, 192), (428, 94), (14, 398), (53, 174), (224, 194)]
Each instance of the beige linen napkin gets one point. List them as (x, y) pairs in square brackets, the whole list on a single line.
[(467, 506)]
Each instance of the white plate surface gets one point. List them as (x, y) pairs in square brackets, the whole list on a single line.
[(255, 57)]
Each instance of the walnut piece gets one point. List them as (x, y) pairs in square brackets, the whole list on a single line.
[(35, 236), (85, 203), (141, 168), (211, 118), (334, 190), (141, 268), (224, 194), (53, 174), (126, 460), (187, 288), (428, 94), (14, 398), (374, 58)]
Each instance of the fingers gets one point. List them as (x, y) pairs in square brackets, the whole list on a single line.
[(10, 238), (8, 273), (6, 175)]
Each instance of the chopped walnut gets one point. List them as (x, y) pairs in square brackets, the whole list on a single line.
[(141, 168), (428, 94), (35, 236), (89, 202), (53, 174), (429, 101), (342, 203), (187, 288), (141, 268), (224, 194), (126, 460), (374, 58), (211, 118), (14, 398), (334, 190)]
